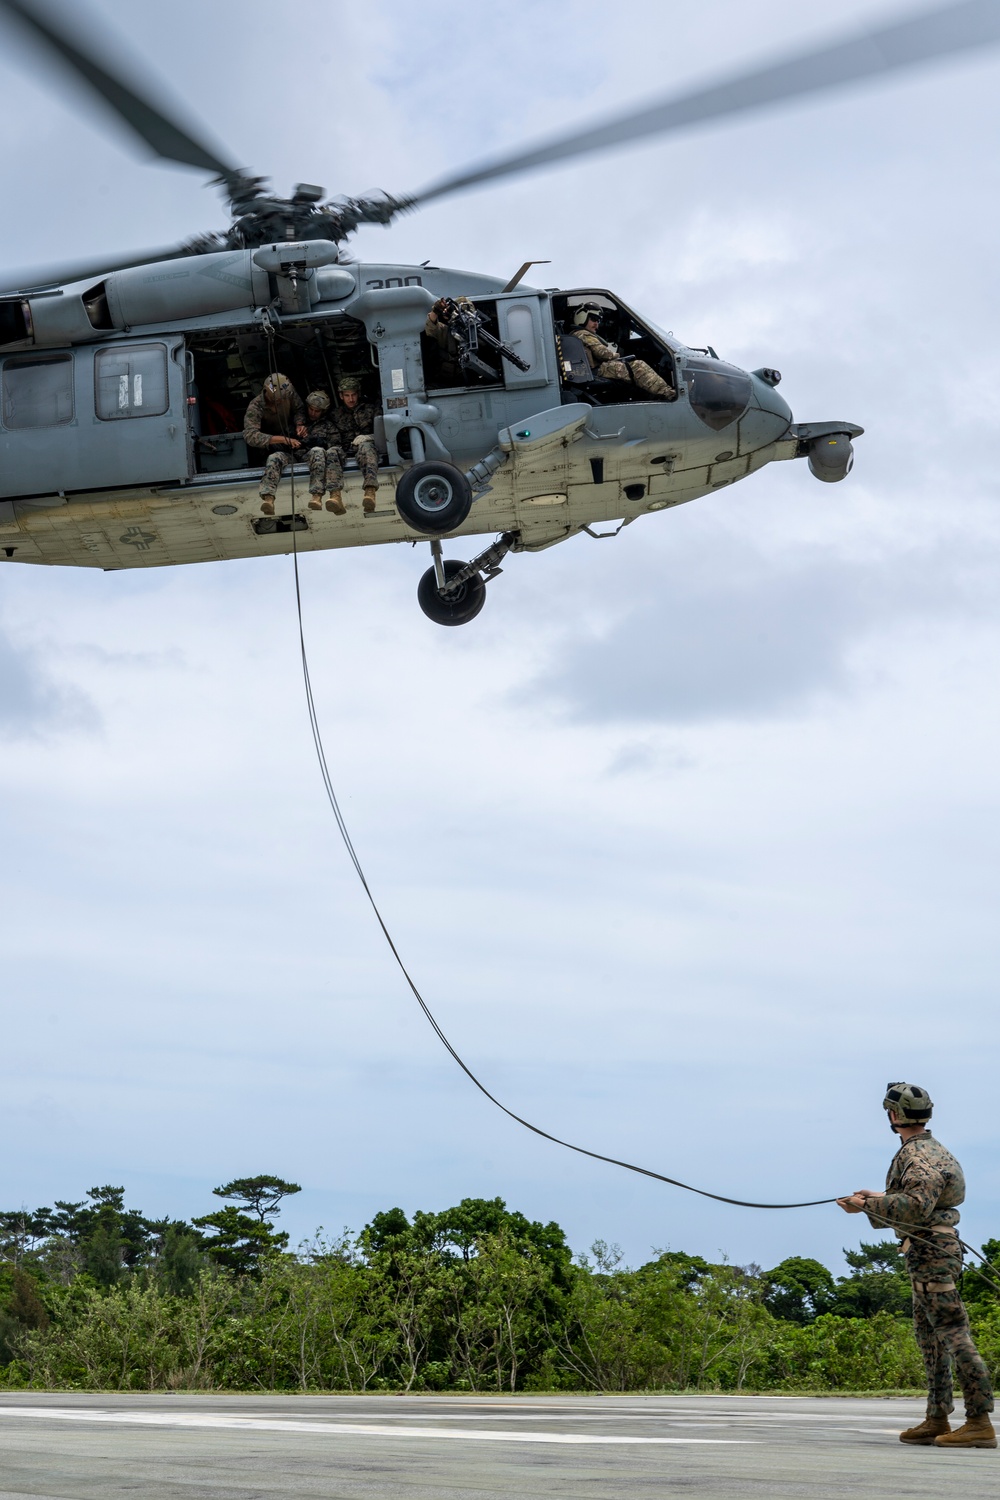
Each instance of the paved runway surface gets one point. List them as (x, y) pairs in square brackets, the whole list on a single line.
[(74, 1447)]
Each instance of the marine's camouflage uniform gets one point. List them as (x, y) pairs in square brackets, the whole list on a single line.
[(606, 365), (354, 433), (923, 1188), (322, 441), (264, 421)]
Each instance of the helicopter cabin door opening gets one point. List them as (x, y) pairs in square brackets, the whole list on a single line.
[(230, 368), (101, 417)]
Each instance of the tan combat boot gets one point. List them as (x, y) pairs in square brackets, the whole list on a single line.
[(926, 1432), (975, 1432), (369, 501), (267, 504), (336, 503), (316, 501)]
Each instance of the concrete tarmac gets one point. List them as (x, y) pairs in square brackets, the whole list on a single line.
[(211, 1447)]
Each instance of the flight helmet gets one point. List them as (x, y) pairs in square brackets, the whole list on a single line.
[(586, 311)]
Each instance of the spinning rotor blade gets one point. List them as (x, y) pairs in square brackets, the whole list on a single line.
[(166, 137), (922, 38), (34, 280)]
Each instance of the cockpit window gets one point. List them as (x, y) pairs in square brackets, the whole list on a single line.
[(719, 393)]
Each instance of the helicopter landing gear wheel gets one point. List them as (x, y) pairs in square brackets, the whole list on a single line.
[(456, 608), (433, 497)]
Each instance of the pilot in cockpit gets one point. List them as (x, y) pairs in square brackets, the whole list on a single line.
[(607, 363)]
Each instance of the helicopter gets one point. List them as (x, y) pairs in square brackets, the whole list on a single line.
[(123, 382)]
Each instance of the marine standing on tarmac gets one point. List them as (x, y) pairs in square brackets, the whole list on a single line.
[(923, 1189), (607, 363), (355, 424), (322, 438), (271, 419)]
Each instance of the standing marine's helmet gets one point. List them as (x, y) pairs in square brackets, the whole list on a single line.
[(349, 383), (278, 388), (913, 1104), (585, 312), (318, 401)]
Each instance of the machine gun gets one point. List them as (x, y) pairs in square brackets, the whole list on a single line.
[(468, 327)]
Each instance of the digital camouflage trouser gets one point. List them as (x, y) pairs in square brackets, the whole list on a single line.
[(941, 1324), (644, 376), (273, 470), (326, 467)]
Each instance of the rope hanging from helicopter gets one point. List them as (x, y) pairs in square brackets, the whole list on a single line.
[(987, 1275), (353, 855), (324, 768)]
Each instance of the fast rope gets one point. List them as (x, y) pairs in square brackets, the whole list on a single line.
[(317, 737), (429, 1015), (331, 794)]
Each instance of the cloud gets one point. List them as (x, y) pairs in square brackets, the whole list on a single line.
[(721, 629), (31, 702)]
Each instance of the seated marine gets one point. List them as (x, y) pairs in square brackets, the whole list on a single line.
[(354, 420), (322, 442), (270, 421), (607, 363)]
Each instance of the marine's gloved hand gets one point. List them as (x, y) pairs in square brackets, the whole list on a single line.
[(366, 437)]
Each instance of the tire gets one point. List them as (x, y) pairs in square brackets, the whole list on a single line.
[(457, 608), (433, 497)]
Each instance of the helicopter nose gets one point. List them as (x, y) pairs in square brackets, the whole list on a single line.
[(831, 457)]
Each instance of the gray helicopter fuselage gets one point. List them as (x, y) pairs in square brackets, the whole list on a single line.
[(116, 450)]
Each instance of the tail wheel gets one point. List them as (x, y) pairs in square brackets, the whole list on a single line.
[(455, 608)]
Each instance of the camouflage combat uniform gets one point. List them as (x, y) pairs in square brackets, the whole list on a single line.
[(923, 1188), (354, 434), (326, 461), (606, 365), (264, 421)]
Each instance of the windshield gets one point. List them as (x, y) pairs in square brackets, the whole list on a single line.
[(719, 393)]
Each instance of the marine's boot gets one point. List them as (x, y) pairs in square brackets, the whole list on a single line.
[(369, 500), (926, 1432), (267, 504), (316, 500), (975, 1432), (336, 503)]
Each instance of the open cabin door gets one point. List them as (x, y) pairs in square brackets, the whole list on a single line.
[(100, 417)]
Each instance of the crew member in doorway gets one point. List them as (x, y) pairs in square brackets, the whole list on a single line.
[(446, 369), (923, 1189), (608, 364), (322, 441), (355, 423), (275, 420)]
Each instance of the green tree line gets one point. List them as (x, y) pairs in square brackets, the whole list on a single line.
[(96, 1296)]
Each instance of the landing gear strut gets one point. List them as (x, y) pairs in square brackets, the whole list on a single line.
[(453, 592)]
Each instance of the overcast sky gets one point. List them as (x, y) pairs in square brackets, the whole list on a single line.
[(691, 841)]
